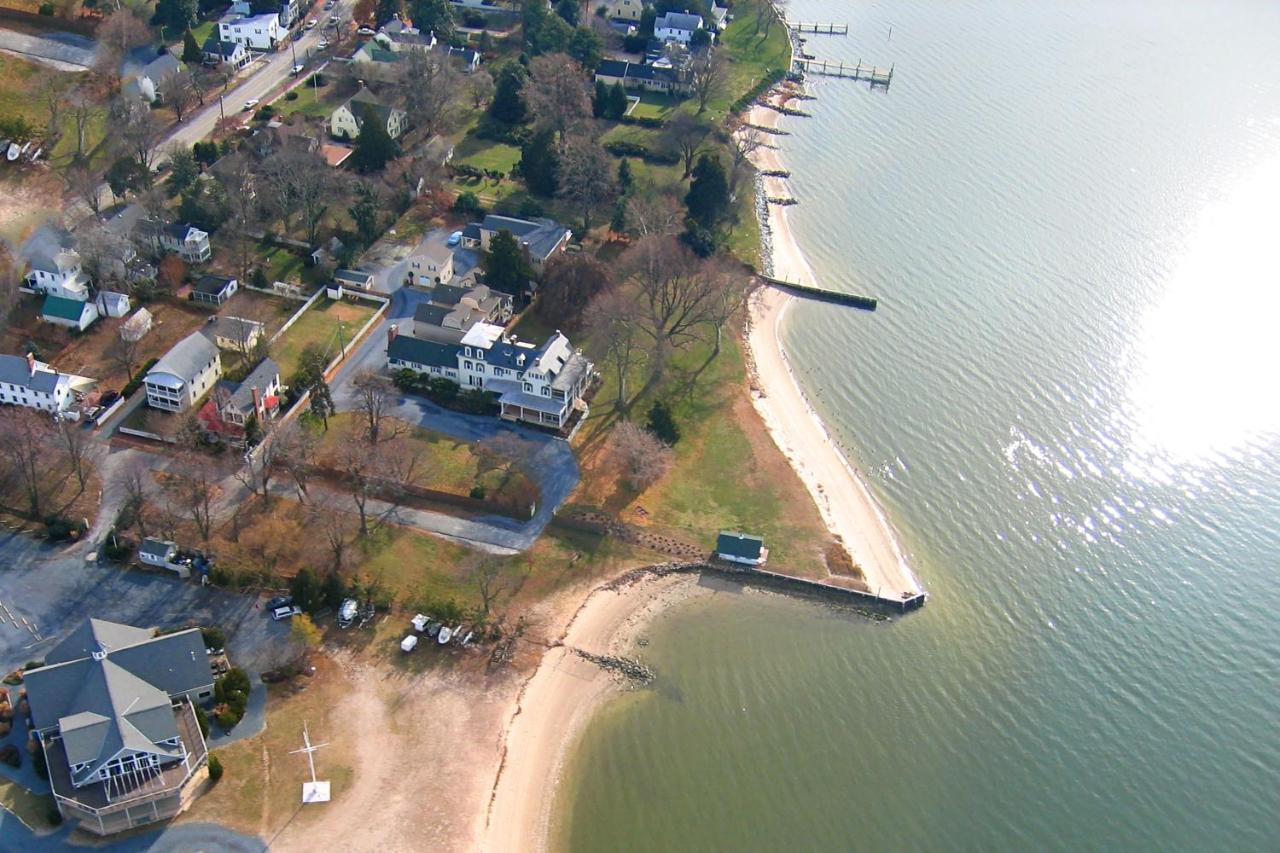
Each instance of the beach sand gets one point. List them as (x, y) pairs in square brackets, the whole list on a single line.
[(846, 504), (559, 699)]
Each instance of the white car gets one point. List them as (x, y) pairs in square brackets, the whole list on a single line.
[(365, 31), (251, 103), (324, 43), (295, 70), (285, 612), (311, 24)]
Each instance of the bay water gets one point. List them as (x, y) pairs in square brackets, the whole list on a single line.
[(1067, 402)]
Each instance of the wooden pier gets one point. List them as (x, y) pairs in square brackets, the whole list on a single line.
[(820, 29), (866, 303), (873, 75)]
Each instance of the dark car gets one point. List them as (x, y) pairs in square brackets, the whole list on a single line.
[(108, 398), (278, 602)]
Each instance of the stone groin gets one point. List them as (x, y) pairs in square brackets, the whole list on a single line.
[(775, 173), (772, 131), (785, 110), (624, 668)]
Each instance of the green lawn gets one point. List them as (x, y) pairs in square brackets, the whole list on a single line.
[(752, 57), (204, 30), (281, 264), (486, 154), (320, 325), (654, 105), (311, 102), (20, 84)]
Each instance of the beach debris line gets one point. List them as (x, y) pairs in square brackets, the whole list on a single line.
[(625, 668)]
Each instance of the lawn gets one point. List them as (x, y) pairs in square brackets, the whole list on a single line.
[(203, 30), (486, 154), (20, 85), (752, 57), (327, 323), (281, 264), (654, 105), (311, 102)]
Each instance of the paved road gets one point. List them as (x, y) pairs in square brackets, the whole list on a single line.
[(64, 51), (54, 589)]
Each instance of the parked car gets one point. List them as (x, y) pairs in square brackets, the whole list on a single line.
[(298, 34), (324, 43), (280, 601), (295, 70), (455, 238), (108, 398), (251, 103), (365, 31), (285, 613), (311, 24)]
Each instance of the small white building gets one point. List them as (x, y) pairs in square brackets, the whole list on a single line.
[(346, 121), (72, 313), (676, 26), (433, 266), (137, 326), (112, 304), (184, 374), (34, 384), (234, 333), (158, 553), (58, 273), (255, 32)]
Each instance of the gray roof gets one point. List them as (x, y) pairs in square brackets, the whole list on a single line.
[(620, 69), (224, 49), (573, 370), (359, 278), (237, 329), (531, 401), (540, 236), (363, 102), (158, 548), (14, 370), (678, 21), (44, 244), (187, 358), (162, 66), (213, 284), (433, 314), (266, 373), (419, 351), (737, 544), (109, 687)]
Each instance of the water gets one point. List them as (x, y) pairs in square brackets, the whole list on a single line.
[(1068, 404)]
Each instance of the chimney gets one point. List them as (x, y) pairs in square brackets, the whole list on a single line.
[(257, 403), (31, 363), (391, 333)]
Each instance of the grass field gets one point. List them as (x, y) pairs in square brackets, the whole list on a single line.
[(654, 105), (319, 325), (311, 102), (486, 154), (281, 264)]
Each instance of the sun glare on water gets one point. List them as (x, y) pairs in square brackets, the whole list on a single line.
[(1205, 380)]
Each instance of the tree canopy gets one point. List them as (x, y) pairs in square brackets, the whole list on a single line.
[(506, 267)]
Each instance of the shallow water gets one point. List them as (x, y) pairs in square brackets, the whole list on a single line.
[(1067, 402)]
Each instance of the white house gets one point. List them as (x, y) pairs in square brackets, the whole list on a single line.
[(214, 289), (676, 26), (34, 384), (230, 53), (58, 273), (180, 238), (72, 313), (234, 333), (346, 121), (148, 83), (537, 384), (184, 374), (624, 10), (256, 32), (433, 266)]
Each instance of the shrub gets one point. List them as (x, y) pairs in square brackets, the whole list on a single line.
[(203, 719), (469, 203), (266, 111), (39, 764), (623, 148), (662, 424), (117, 549), (136, 382), (53, 816), (47, 9), (227, 718), (215, 768), (214, 638), (231, 692), (477, 492), (59, 529), (291, 95), (11, 756), (643, 121)]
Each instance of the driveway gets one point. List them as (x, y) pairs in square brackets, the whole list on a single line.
[(64, 51), (183, 838), (49, 591)]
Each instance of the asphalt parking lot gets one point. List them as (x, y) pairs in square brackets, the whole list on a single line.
[(44, 593)]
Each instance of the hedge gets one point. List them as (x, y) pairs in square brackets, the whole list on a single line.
[(643, 121), (759, 89), (215, 768), (622, 148), (138, 378)]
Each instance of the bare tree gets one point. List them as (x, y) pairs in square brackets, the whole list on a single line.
[(8, 286), (686, 133), (488, 577), (377, 472), (299, 181), (52, 93), (709, 71), (260, 467), (655, 212), (334, 523), (194, 490), (84, 182), (74, 443), (236, 173), (641, 458), (104, 252), (745, 141), (614, 318), (375, 396), (134, 485), (675, 293), (480, 87), (82, 106), (430, 87), (24, 440), (177, 92), (122, 31), (295, 447), (585, 175), (557, 92), (136, 131)]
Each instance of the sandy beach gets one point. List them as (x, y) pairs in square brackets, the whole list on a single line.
[(847, 505), (557, 702)]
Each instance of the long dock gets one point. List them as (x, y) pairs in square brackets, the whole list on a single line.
[(821, 29), (872, 74), (853, 300)]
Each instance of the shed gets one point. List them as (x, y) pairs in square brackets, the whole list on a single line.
[(71, 313), (113, 304), (137, 326), (741, 548)]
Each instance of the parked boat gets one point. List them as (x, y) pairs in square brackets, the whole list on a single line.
[(409, 643), (347, 613), (433, 629), (13, 152), (420, 622), (445, 633), (466, 642)]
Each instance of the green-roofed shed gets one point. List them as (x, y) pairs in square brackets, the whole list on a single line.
[(72, 313), (741, 548)]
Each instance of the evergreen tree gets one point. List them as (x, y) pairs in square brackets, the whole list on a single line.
[(600, 100), (538, 163), (178, 15), (385, 11), (625, 178), (374, 146), (191, 53), (506, 268), (662, 424), (617, 105), (708, 196), (508, 96), (364, 213), (568, 9), (434, 16), (585, 47)]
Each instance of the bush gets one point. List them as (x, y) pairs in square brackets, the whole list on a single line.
[(215, 768), (214, 638), (318, 81), (203, 719), (291, 95), (469, 203), (473, 19), (53, 816), (231, 692), (39, 764), (47, 9), (622, 148), (267, 111), (477, 492), (136, 382), (634, 43), (11, 756), (117, 549), (60, 529), (643, 121), (662, 424)]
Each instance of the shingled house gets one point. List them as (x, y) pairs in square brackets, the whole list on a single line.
[(114, 710)]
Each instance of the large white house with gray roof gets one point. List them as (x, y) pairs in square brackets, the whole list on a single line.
[(114, 710), (34, 384), (676, 26), (184, 374)]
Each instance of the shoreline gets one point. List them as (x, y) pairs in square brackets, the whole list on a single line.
[(561, 697), (839, 489)]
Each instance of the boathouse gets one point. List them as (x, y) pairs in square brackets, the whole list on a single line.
[(741, 548)]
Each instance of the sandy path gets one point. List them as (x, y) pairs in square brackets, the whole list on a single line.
[(843, 498), (558, 701)]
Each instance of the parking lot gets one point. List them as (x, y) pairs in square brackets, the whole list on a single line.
[(44, 593)]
